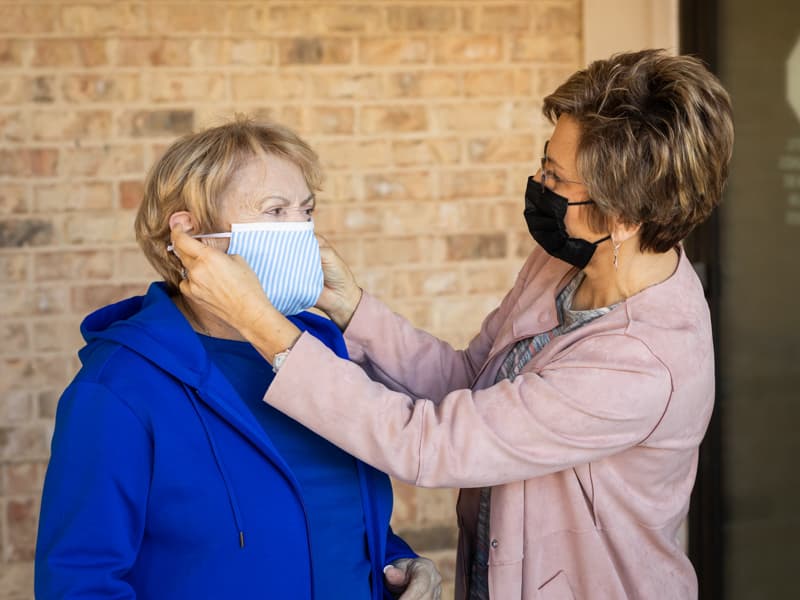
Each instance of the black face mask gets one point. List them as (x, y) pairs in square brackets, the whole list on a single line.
[(544, 213)]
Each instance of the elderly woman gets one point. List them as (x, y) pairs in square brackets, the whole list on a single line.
[(169, 478), (574, 417)]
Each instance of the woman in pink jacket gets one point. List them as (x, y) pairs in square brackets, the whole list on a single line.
[(574, 417)]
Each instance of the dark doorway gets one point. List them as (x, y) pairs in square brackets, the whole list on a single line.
[(744, 531)]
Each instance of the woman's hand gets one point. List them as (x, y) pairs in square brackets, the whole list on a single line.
[(228, 288), (340, 295), (413, 579)]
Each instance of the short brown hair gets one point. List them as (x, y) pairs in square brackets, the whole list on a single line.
[(194, 172), (656, 140)]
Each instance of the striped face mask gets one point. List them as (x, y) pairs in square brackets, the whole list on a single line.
[(284, 256)]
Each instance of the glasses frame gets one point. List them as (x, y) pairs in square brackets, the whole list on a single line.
[(556, 178)]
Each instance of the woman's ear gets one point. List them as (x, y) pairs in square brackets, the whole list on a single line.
[(622, 232), (184, 220)]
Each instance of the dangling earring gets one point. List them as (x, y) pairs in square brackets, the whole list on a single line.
[(616, 253)]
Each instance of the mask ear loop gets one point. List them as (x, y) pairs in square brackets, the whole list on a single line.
[(171, 248)]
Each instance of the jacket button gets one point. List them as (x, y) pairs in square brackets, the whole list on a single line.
[(495, 543)]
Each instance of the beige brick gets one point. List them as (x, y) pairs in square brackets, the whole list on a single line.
[(414, 185), (14, 268), (468, 49), (154, 123), (29, 442), (132, 264), (102, 161), (187, 87), (472, 183), (21, 518), (502, 149), (353, 154), (350, 18), (66, 197), (23, 478), (79, 52), (381, 119), (492, 277), (463, 316), (392, 250), (347, 85), (549, 78), (12, 89), (315, 51), (16, 578), (18, 232), (358, 219), (93, 19), (84, 89), (192, 17), (398, 218), (269, 86), (14, 126), (557, 20), (130, 194), (48, 403), (16, 408), (393, 50), (424, 84), (539, 48), (87, 298), (488, 82), (425, 282), (13, 199), (79, 265), (100, 227), (16, 340), (249, 19), (521, 245), (421, 18), (427, 151), (527, 115), (436, 506), (473, 116), (28, 162), (504, 18), (28, 17), (404, 514), (15, 53), (340, 187), (252, 52), (70, 125), (476, 246), (56, 336), (157, 52), (332, 119), (26, 301)]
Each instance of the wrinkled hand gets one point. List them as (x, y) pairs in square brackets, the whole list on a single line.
[(340, 295), (228, 287), (414, 579)]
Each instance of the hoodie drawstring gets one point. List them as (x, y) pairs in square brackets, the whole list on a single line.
[(228, 487)]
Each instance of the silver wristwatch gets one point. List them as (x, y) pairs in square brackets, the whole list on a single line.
[(279, 359)]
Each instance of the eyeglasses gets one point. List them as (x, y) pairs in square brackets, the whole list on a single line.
[(549, 178)]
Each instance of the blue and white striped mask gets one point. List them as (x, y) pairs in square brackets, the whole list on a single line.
[(284, 256)]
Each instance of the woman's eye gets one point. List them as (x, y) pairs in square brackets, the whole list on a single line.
[(275, 212)]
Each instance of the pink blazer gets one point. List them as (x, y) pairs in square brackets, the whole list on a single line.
[(592, 450)]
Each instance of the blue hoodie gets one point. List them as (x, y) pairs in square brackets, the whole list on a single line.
[(162, 486)]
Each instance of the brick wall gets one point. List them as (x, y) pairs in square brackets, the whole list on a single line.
[(426, 116)]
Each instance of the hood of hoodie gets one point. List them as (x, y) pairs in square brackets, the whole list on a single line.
[(153, 327)]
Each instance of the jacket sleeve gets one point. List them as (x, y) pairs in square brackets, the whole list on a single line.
[(95, 492), (396, 547), (412, 361), (577, 409)]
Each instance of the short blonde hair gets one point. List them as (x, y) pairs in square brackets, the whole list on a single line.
[(194, 172), (656, 140)]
